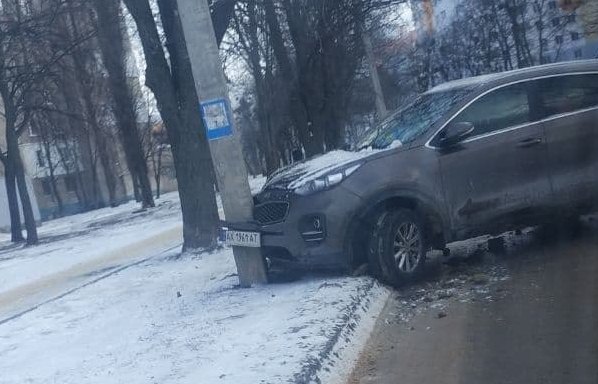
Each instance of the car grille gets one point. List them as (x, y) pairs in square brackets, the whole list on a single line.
[(270, 213)]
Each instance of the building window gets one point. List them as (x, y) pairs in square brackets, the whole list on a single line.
[(70, 183), (41, 162), (578, 53), (571, 18), (574, 36), (46, 187), (552, 5), (558, 39), (556, 22)]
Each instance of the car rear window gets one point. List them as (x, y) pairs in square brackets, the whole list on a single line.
[(565, 94)]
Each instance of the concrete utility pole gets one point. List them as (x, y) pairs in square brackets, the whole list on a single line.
[(225, 146)]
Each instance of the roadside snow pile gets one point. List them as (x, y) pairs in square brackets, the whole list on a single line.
[(181, 319), (102, 299)]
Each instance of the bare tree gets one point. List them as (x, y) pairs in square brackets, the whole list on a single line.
[(23, 28), (490, 36), (172, 83), (110, 38)]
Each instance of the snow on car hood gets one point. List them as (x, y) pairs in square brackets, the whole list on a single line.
[(297, 174)]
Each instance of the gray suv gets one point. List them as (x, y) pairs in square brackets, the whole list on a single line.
[(470, 157)]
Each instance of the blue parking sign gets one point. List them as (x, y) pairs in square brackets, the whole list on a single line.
[(216, 118)]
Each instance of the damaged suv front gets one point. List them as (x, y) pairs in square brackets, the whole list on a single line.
[(307, 213), (297, 213)]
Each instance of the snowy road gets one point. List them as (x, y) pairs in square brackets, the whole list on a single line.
[(76, 248), (30, 294)]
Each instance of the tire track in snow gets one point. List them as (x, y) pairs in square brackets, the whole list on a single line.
[(26, 297)]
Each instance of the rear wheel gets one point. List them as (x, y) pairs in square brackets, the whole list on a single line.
[(402, 247)]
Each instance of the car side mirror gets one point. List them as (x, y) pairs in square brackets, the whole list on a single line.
[(455, 133)]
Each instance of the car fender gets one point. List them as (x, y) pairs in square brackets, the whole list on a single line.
[(427, 204)]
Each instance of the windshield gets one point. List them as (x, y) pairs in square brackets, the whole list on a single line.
[(410, 122)]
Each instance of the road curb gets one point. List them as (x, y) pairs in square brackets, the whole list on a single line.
[(335, 362)]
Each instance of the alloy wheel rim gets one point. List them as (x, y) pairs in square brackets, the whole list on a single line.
[(407, 247)]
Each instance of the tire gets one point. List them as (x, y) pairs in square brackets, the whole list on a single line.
[(402, 247), (374, 245)]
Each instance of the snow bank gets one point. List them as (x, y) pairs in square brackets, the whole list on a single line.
[(130, 312), (81, 241), (179, 319)]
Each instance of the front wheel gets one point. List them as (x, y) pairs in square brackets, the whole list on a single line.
[(402, 247)]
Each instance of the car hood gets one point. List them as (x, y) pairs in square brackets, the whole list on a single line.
[(295, 175)]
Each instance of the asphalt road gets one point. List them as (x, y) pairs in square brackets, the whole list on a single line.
[(537, 325)]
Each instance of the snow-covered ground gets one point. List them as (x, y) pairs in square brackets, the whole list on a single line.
[(104, 238), (74, 246), (108, 298), (182, 320)]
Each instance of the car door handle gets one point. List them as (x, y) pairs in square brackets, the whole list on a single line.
[(529, 142)]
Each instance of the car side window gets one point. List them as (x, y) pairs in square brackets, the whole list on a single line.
[(503, 108), (565, 94)]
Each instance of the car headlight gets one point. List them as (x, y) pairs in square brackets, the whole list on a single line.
[(327, 180)]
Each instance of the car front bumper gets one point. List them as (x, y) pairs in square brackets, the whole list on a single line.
[(313, 233)]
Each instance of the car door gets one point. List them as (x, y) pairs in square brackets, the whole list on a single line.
[(569, 107), (497, 175)]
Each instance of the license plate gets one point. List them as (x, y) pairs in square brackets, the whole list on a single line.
[(243, 239)]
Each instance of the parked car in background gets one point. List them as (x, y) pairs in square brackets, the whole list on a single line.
[(470, 157)]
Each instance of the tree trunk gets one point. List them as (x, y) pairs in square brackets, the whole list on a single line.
[(374, 76), (86, 103), (252, 46), (106, 161), (298, 105), (85, 133), (54, 188), (114, 57), (158, 172), (47, 152), (16, 234), (177, 103), (30, 224), (221, 12), (96, 200), (14, 163), (136, 189)]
